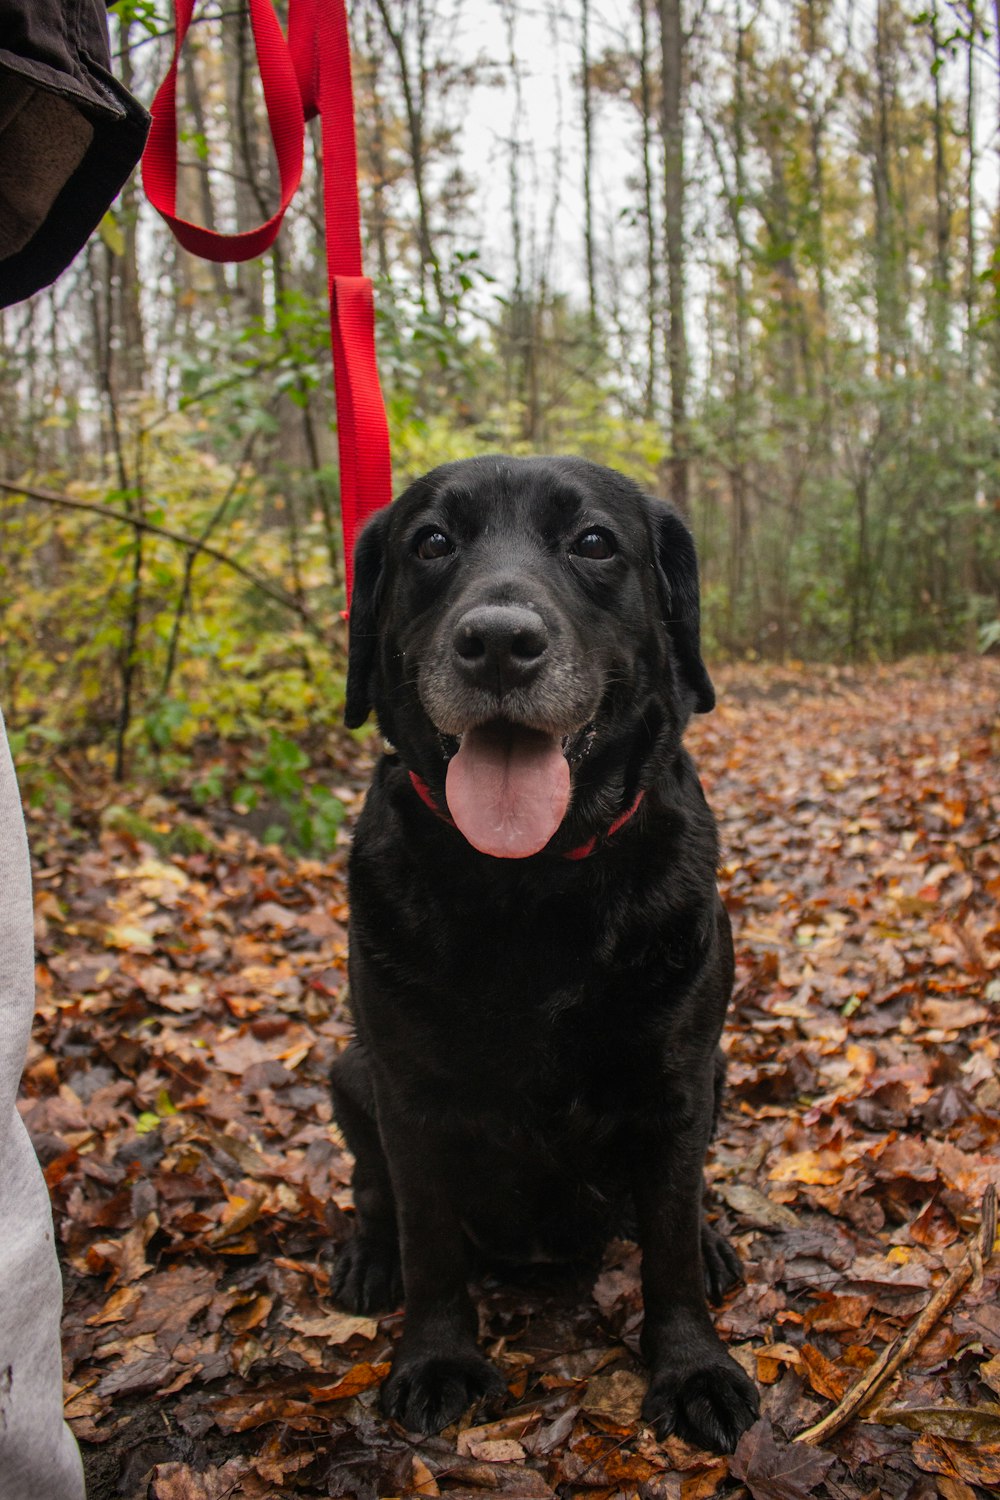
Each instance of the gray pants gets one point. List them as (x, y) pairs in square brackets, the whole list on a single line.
[(39, 1459)]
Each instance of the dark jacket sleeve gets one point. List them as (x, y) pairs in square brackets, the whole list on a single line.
[(70, 134)]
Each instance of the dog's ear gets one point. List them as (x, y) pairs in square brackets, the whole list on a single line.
[(369, 560), (677, 570)]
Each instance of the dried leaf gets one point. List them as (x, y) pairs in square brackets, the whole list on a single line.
[(757, 1207), (823, 1375), (789, 1472), (968, 1424), (979, 1465), (491, 1450), (423, 1481), (990, 1372), (334, 1327), (360, 1377), (705, 1482), (617, 1396), (176, 1481)]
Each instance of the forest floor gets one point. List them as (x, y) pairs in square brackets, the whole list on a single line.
[(189, 1007)]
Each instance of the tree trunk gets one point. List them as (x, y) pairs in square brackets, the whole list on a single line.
[(649, 212), (193, 102), (672, 42), (413, 82), (132, 362), (739, 529), (941, 304), (886, 288), (970, 189), (587, 105), (818, 179), (374, 132), (250, 200)]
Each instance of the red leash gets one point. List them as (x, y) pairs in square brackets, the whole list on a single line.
[(307, 74)]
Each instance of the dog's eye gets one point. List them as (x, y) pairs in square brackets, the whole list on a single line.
[(597, 546), (431, 544)]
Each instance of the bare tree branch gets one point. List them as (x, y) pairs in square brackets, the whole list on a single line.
[(272, 590)]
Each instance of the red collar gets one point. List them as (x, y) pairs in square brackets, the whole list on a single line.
[(423, 791)]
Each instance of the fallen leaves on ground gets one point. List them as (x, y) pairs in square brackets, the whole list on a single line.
[(189, 1009)]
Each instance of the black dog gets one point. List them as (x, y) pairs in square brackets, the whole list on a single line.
[(540, 962)]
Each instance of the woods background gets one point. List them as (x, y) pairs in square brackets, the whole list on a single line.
[(746, 253)]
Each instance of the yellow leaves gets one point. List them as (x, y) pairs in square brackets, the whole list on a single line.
[(157, 880), (130, 937), (124, 1258), (772, 1358), (360, 1377), (826, 1378), (237, 1216), (422, 1481), (110, 232), (117, 1308), (705, 1482), (822, 1168), (602, 1461), (252, 1314), (333, 1327)]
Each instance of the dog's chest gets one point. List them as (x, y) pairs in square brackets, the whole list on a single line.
[(553, 996), (531, 1015)]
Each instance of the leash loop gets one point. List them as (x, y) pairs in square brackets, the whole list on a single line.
[(284, 113), (306, 74)]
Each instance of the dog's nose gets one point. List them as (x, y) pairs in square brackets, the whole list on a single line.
[(500, 645)]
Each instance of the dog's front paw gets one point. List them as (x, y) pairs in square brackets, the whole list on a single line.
[(710, 1406), (720, 1263), (366, 1276), (426, 1392)]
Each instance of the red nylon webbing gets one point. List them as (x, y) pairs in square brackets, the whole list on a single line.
[(309, 73), (284, 112)]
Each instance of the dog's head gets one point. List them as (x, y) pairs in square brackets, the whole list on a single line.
[(527, 631)]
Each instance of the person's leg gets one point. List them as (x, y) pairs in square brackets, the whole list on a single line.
[(39, 1459)]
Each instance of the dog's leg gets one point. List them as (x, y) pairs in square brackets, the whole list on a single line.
[(366, 1275), (696, 1389), (721, 1264), (438, 1371), (720, 1261), (718, 1088)]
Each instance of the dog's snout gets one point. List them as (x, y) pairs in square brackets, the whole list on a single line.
[(500, 645)]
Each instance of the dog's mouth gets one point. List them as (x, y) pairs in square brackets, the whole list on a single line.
[(508, 785)]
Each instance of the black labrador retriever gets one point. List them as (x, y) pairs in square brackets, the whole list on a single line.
[(540, 961)]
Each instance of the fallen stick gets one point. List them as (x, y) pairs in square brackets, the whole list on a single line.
[(977, 1254)]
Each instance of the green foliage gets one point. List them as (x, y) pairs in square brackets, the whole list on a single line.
[(867, 532), (989, 636), (41, 784), (174, 837), (211, 656), (277, 772), (308, 817), (146, 13)]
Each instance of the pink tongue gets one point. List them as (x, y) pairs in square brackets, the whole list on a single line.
[(508, 789)]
